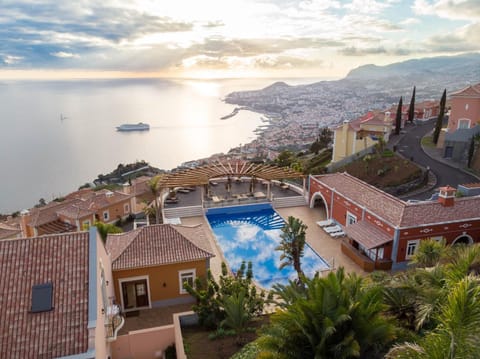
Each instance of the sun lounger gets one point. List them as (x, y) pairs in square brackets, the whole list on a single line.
[(337, 234), (215, 199), (259, 195), (332, 229), (326, 223)]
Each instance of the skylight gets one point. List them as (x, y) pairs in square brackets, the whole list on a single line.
[(42, 297)]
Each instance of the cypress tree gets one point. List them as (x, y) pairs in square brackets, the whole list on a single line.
[(398, 118), (411, 109), (471, 151), (438, 125)]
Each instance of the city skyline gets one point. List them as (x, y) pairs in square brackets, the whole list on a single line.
[(214, 39)]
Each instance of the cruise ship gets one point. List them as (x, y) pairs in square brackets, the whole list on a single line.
[(134, 127)]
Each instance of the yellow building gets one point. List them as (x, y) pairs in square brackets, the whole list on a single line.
[(360, 134), (151, 264)]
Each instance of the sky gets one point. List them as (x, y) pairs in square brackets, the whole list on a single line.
[(227, 38)]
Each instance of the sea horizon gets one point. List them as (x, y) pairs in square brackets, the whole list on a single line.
[(60, 134)]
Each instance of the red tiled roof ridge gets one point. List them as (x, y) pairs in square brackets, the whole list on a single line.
[(165, 244), (475, 88), (43, 236), (205, 245), (363, 183), (128, 237), (433, 212)]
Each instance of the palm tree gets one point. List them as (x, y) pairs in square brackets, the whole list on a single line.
[(237, 315), (429, 253), (156, 191), (337, 316), (105, 228), (456, 335), (292, 244)]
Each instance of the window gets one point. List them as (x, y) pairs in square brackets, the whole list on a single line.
[(126, 208), (463, 123), (103, 284), (437, 238), (105, 216), (187, 276), (411, 248), (351, 218)]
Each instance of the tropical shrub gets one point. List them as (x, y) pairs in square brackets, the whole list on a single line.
[(230, 301)]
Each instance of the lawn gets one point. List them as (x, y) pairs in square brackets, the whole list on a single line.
[(427, 141)]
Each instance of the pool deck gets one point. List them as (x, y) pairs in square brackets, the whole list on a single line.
[(328, 248)]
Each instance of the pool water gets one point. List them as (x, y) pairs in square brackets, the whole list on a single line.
[(253, 235)]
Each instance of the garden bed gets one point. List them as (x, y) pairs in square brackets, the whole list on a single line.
[(384, 172), (198, 344)]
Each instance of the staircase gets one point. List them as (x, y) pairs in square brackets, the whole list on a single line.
[(292, 201), (180, 212)]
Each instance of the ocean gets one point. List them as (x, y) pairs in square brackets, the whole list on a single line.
[(58, 135)]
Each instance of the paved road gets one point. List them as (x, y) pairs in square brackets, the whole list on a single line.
[(410, 147)]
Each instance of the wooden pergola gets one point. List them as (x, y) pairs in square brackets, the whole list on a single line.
[(203, 175)]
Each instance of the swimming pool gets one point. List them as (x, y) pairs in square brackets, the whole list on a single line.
[(251, 233)]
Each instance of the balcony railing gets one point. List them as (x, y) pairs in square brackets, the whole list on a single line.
[(362, 260), (114, 321)]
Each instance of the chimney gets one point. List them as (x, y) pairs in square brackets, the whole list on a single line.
[(447, 196), (24, 219), (127, 188)]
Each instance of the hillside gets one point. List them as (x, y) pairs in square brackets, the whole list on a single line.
[(465, 67), (364, 88)]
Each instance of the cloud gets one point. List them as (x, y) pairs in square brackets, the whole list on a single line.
[(449, 9), (366, 6), (379, 50), (64, 55), (410, 21), (464, 39), (216, 23), (355, 51), (11, 60)]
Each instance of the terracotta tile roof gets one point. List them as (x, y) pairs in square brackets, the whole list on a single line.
[(396, 211), (75, 211), (370, 118), (383, 204), (472, 90), (61, 260), (422, 213), (140, 185), (156, 245), (95, 200), (7, 231), (367, 234), (49, 212)]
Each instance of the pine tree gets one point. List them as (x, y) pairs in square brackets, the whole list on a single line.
[(411, 109), (398, 118), (441, 114)]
